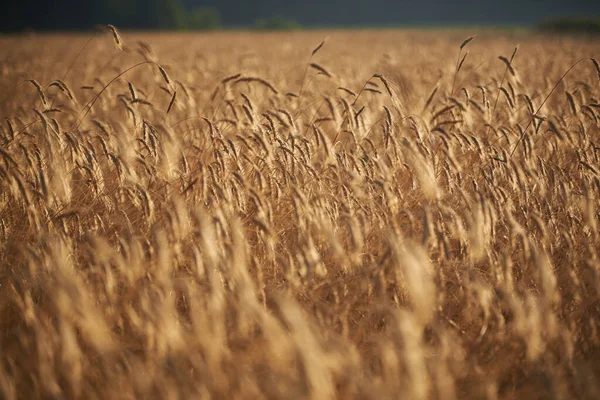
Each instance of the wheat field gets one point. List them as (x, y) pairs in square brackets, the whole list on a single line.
[(386, 214)]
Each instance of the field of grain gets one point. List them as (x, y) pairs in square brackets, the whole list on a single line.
[(387, 214)]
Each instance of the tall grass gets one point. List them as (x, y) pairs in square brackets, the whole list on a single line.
[(176, 221)]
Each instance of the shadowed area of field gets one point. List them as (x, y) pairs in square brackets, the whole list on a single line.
[(321, 214)]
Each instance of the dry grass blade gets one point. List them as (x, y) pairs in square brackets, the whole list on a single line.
[(41, 93), (164, 74), (459, 62), (467, 41), (318, 48), (132, 91), (249, 79), (508, 97), (350, 92), (514, 53), (230, 78), (430, 97), (556, 130), (597, 66), (320, 69), (11, 128), (462, 61), (508, 64), (385, 83), (571, 101), (116, 36), (172, 101)]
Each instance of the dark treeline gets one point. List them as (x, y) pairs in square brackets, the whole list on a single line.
[(82, 15), (400, 12), (205, 14)]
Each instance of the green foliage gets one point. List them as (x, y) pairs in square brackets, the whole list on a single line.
[(277, 23), (580, 25), (169, 14), (205, 18), (156, 14)]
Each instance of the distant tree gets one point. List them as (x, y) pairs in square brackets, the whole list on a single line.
[(205, 18), (276, 23), (572, 24), (120, 13), (166, 14)]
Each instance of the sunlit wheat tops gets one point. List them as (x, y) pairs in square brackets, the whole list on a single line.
[(116, 36), (277, 216)]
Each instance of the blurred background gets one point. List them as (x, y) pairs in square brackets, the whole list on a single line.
[(64, 15)]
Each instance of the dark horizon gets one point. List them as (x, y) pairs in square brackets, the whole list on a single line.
[(173, 14)]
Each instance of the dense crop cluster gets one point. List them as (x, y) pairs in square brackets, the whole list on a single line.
[(242, 215)]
